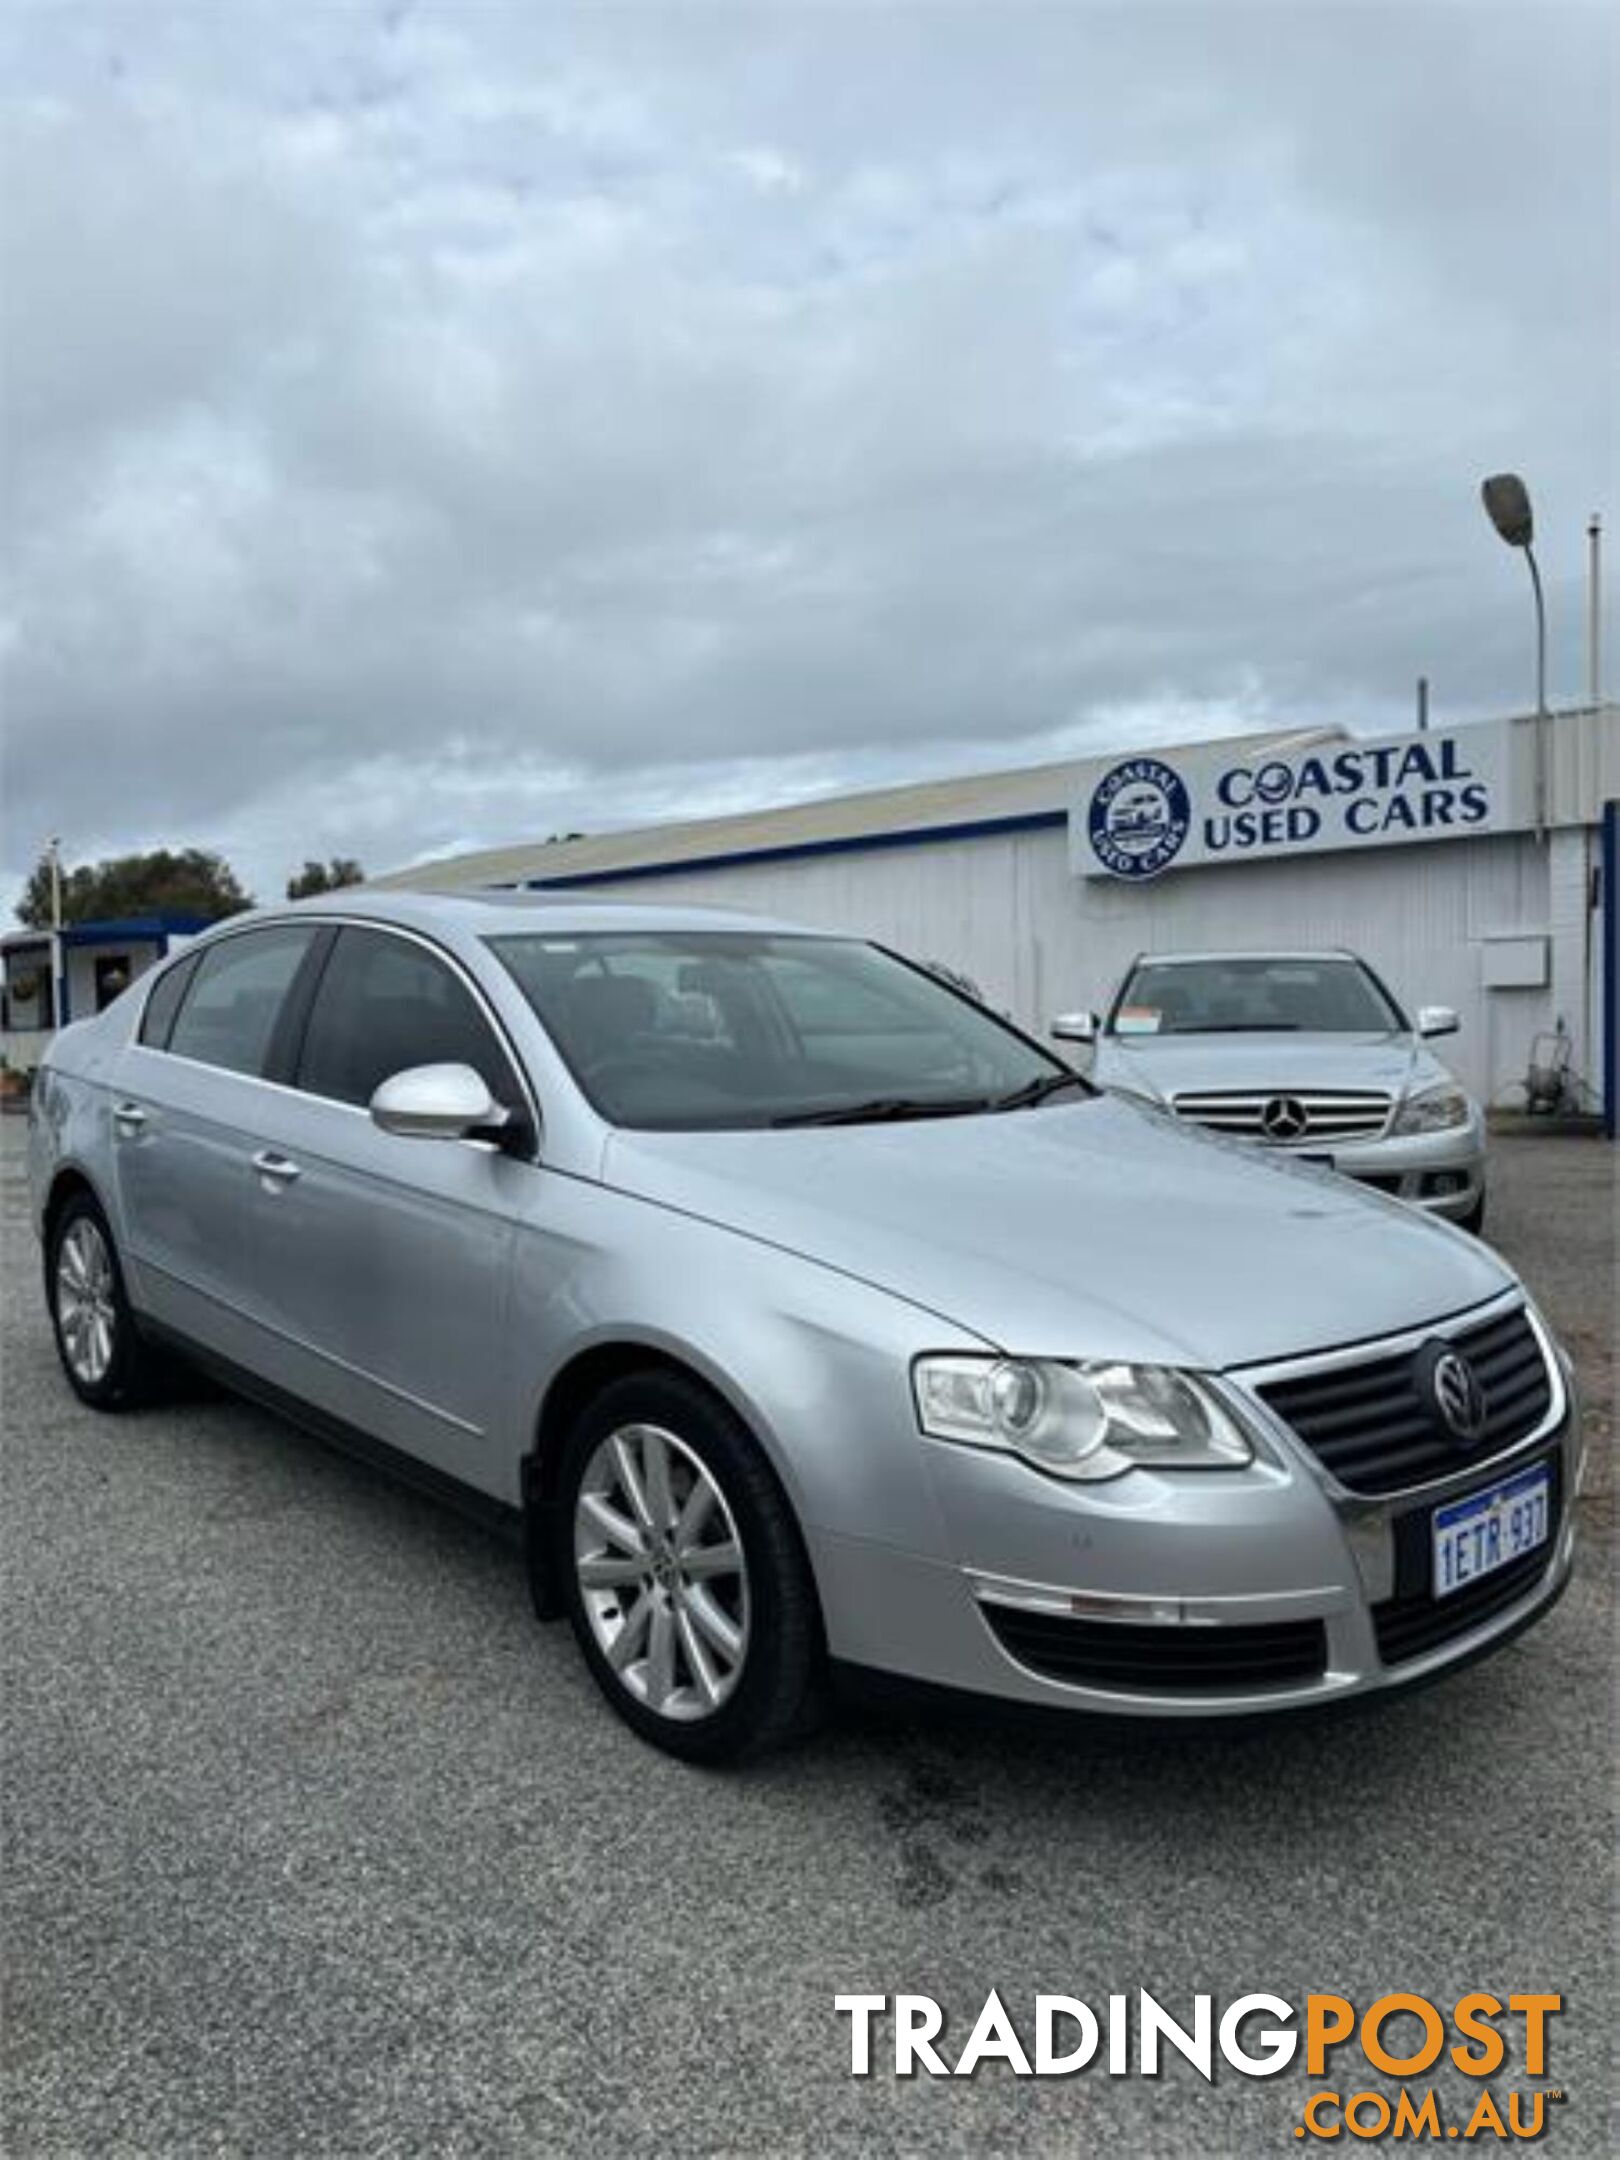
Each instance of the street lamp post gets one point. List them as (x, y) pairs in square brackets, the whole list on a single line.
[(1507, 504)]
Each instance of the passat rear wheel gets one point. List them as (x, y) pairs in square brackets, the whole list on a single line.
[(106, 1362), (688, 1587)]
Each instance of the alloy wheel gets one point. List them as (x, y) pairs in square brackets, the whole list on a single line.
[(86, 1302), (661, 1573)]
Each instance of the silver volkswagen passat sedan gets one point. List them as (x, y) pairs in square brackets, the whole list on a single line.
[(801, 1313), (1300, 1050)]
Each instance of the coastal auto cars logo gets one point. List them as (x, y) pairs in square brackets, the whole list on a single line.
[(1139, 816)]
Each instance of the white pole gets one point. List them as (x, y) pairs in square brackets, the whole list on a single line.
[(58, 972), (1594, 606), (1594, 693)]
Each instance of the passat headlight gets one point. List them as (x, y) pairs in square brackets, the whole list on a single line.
[(1432, 1109), (1078, 1421)]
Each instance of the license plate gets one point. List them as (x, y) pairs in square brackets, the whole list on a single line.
[(1490, 1530)]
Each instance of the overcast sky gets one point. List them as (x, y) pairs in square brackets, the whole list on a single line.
[(430, 426)]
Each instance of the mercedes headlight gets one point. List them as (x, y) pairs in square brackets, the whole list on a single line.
[(1078, 1421), (1432, 1109)]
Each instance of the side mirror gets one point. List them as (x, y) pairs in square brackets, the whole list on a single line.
[(1079, 1027), (438, 1102), (1437, 1020)]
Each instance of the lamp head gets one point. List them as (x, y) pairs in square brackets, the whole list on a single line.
[(1507, 504)]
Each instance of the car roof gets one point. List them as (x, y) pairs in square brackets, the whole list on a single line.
[(494, 912), (1264, 952)]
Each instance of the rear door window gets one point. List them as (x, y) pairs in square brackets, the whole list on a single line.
[(385, 1004), (229, 1010), (164, 1002)]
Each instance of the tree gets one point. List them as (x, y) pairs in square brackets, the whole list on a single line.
[(162, 881), (317, 877)]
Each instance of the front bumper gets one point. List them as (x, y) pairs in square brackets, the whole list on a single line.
[(1209, 1595), (1441, 1172)]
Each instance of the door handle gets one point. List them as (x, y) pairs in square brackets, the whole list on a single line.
[(129, 1117), (275, 1169)]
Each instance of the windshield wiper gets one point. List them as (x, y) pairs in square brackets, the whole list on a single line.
[(883, 1108), (1037, 1091)]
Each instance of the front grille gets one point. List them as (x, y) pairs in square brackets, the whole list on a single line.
[(1312, 1116), (1167, 1659), (1414, 1621), (1372, 1427)]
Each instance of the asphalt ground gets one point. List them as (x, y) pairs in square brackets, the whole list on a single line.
[(316, 1844)]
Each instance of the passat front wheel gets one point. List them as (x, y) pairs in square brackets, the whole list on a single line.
[(688, 1587)]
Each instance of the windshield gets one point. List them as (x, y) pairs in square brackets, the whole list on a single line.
[(1258, 996), (690, 1030)]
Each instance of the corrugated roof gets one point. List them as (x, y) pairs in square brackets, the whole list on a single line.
[(971, 798)]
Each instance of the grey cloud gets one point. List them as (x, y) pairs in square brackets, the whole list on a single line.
[(429, 428)]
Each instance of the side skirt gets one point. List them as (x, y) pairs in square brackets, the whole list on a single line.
[(338, 1433)]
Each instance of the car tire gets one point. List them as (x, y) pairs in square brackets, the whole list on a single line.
[(107, 1362), (662, 1488)]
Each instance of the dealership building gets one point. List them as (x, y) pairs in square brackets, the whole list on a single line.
[(1473, 866)]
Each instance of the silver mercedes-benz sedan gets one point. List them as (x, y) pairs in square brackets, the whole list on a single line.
[(802, 1314), (1300, 1050)]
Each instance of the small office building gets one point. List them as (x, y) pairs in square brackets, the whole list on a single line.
[(48, 978)]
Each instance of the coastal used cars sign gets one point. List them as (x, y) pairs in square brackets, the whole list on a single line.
[(1139, 816)]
